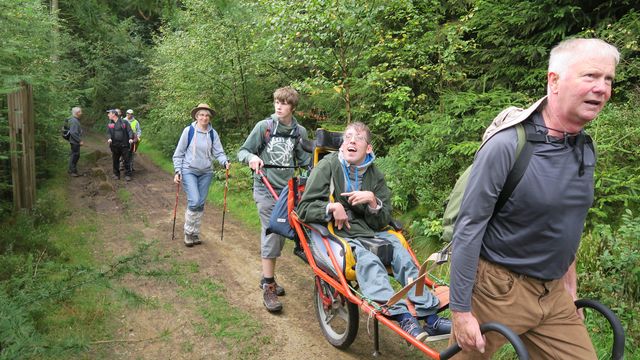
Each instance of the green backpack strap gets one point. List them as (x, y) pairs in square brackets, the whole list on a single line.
[(524, 150), (523, 156)]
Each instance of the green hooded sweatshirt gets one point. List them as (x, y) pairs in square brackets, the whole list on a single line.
[(364, 221)]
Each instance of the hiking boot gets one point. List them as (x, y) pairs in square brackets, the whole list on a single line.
[(115, 177), (127, 178), (74, 174), (412, 327), (196, 239), (188, 240), (279, 289), (270, 299), (441, 329)]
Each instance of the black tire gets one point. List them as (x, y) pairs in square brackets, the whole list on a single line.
[(339, 323)]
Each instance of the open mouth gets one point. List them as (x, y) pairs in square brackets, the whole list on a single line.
[(351, 148), (594, 102)]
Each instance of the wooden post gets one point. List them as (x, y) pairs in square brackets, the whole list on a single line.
[(22, 147)]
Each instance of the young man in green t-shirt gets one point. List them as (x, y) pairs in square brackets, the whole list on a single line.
[(273, 147)]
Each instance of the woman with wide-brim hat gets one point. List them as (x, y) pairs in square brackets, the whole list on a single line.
[(193, 159)]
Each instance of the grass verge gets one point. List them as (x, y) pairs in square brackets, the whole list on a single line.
[(62, 299)]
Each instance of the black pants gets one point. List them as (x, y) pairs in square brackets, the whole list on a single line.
[(117, 151), (74, 156)]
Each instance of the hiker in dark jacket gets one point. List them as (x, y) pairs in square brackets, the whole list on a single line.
[(120, 138), (75, 140), (518, 266)]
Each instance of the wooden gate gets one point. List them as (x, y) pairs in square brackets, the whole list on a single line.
[(22, 147)]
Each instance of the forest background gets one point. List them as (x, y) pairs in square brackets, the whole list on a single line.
[(426, 76)]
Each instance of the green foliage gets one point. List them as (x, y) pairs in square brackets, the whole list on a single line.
[(325, 43), (609, 270), (29, 53), (226, 68), (424, 166), (618, 167)]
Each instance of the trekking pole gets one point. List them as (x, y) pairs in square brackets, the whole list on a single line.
[(267, 184), (224, 206), (175, 209)]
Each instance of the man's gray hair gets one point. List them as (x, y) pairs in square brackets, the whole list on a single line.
[(567, 52), (76, 110)]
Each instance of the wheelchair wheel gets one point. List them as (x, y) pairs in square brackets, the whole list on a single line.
[(337, 316)]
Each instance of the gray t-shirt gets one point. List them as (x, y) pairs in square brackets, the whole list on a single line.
[(537, 231)]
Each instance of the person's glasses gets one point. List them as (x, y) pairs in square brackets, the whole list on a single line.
[(356, 137)]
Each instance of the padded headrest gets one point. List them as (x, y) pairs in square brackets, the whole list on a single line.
[(328, 139)]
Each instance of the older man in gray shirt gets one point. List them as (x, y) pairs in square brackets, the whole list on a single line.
[(517, 266), (75, 140)]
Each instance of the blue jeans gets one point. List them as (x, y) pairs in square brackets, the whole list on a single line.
[(196, 186), (374, 281)]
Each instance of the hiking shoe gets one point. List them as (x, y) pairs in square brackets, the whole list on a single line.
[(441, 329), (115, 177), (74, 174), (279, 289), (127, 178), (412, 327), (299, 252), (270, 299), (188, 240), (196, 239)]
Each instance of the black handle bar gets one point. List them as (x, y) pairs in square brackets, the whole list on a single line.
[(513, 338), (618, 331)]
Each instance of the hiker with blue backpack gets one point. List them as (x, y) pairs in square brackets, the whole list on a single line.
[(514, 261), (273, 149), (193, 158)]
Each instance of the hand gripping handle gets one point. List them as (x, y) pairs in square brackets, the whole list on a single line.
[(513, 338)]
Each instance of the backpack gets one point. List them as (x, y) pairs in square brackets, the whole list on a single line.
[(289, 197), (454, 201), (112, 126), (192, 131), (268, 134), (509, 117), (66, 131)]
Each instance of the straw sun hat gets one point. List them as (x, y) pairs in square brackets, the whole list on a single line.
[(202, 106)]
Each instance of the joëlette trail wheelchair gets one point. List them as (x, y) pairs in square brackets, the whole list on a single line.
[(336, 295)]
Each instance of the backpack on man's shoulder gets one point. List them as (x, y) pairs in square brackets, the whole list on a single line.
[(509, 117), (270, 130), (66, 130), (454, 201)]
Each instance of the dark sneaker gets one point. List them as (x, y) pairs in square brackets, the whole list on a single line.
[(196, 239), (412, 327), (270, 299), (279, 289), (299, 252), (188, 240), (127, 178), (441, 329)]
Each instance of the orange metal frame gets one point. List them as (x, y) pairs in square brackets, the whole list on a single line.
[(342, 286)]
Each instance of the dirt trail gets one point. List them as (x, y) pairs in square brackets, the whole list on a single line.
[(235, 263)]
